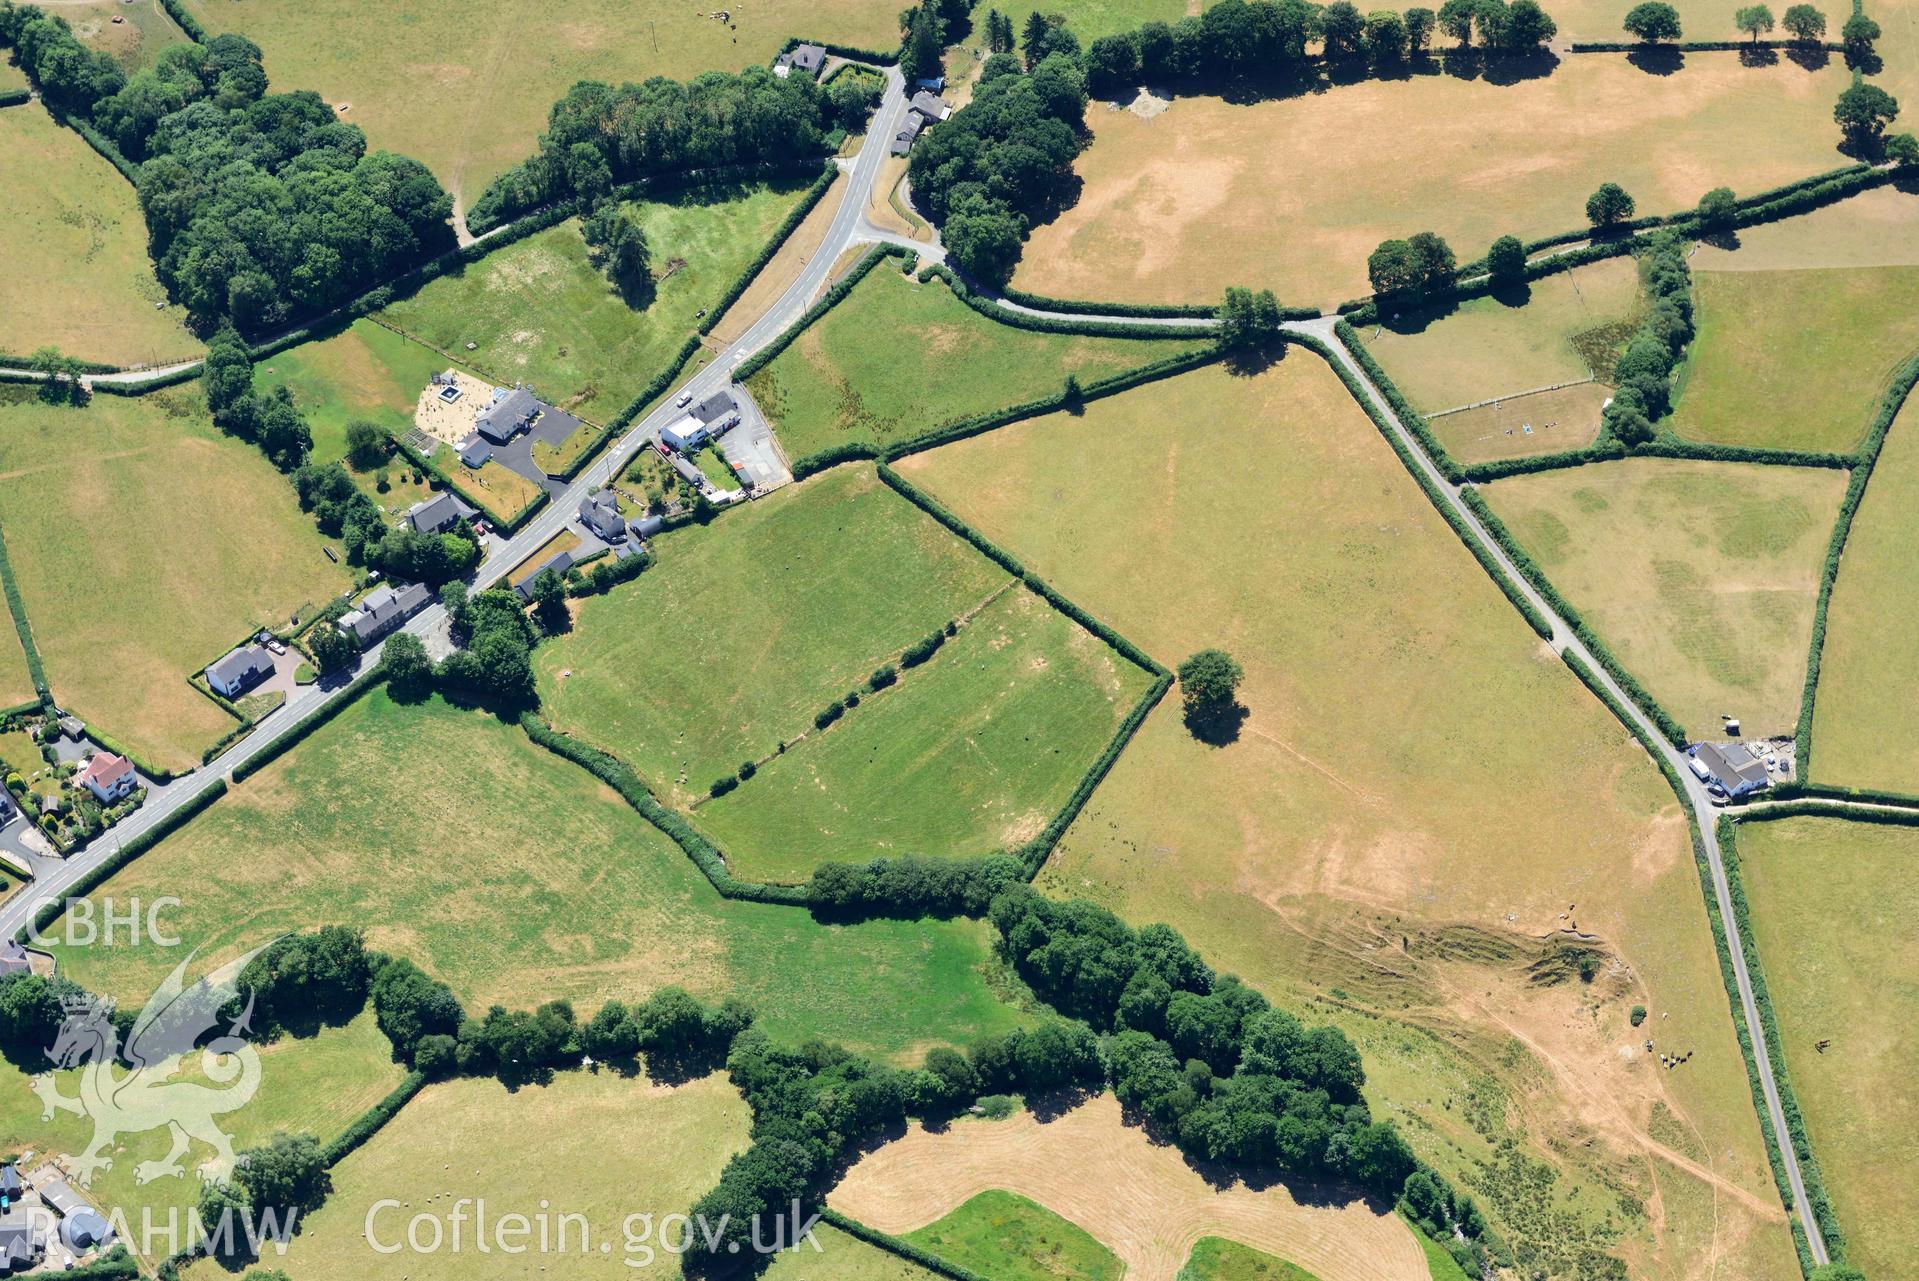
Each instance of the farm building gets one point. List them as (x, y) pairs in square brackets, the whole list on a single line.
[(84, 1231), (437, 514), (903, 140), (930, 106), (109, 777), (61, 1199), (804, 58), (240, 670), (10, 1183), (382, 610), (1729, 766), (601, 513)]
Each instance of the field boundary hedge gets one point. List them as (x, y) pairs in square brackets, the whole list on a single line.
[(298, 732), (1082, 306), (1705, 46), (1012, 318), (15, 97), (185, 20), (17, 608), (1816, 1195), (1540, 624), (830, 299), (1608, 449), (897, 1246), (1868, 459), (1413, 420), (370, 1122), (49, 912)]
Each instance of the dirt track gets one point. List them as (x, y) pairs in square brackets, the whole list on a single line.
[(1140, 1200)]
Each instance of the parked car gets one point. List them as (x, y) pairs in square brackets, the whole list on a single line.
[(275, 646)]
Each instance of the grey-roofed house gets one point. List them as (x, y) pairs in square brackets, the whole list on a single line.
[(383, 609), (13, 960), (508, 415), (11, 1185), (437, 514), (808, 58), (558, 562), (903, 140), (1729, 765), (601, 513), (929, 105), (689, 473), (718, 411), (21, 1244), (240, 670), (475, 450)]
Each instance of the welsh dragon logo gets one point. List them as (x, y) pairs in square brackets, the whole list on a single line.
[(142, 1095)]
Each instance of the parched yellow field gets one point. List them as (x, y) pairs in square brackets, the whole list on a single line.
[(1145, 1203), (465, 88), (1294, 194), (1421, 804), (147, 544), (73, 253), (598, 1145), (1700, 576), (1830, 901), (1877, 228), (1863, 730), (1544, 422)]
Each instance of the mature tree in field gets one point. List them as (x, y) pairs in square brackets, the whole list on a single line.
[(1112, 65), (1432, 259), (367, 446), (1717, 208), (59, 377), (1805, 23), (1653, 21), (1903, 150), (1032, 37), (616, 244), (1386, 38), (1524, 27), (408, 670), (1753, 19), (1047, 34), (999, 32), (1609, 206), (1859, 34), (1248, 319), (1506, 260), (1456, 20), (1209, 681), (983, 237), (1419, 29), (1342, 29), (330, 648), (289, 1174), (1863, 112), (1416, 264), (924, 53)]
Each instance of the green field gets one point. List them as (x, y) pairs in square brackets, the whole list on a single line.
[(1863, 734), (1700, 576), (750, 625), (541, 313), (844, 1258), (517, 878), (1010, 1238), (1795, 359), (73, 251), (1418, 792), (16, 683), (1216, 1259), (1830, 901), (971, 752), (598, 1145), (135, 32), (146, 545), (939, 361), (315, 1085)]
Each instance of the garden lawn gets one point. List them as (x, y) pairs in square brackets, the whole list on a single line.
[(1418, 793), (600, 1145), (941, 362), (1795, 359), (1487, 347), (517, 878), (1010, 1238), (146, 545), (972, 752), (542, 314), (1700, 576), (1216, 1259), (1293, 194), (316, 1085), (73, 251), (1830, 904), (747, 627), (429, 80), (1863, 732)]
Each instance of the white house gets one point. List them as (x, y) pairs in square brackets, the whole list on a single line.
[(109, 777), (240, 670)]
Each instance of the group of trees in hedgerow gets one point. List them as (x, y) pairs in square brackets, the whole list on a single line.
[(1642, 378), (260, 207), (1655, 22)]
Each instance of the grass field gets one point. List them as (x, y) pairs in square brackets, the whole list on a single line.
[(1545, 422), (73, 251), (941, 362), (1862, 734), (971, 752), (135, 32), (1700, 576), (16, 683), (1795, 359), (516, 877), (1010, 1238), (315, 1085), (1830, 901), (1420, 802), (1209, 194), (1216, 1259), (540, 1149), (204, 541), (1133, 1197), (542, 314), (749, 626), (843, 1258), (428, 81)]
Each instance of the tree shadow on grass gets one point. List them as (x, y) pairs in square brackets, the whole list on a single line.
[(1865, 62), (1810, 57), (1516, 68), (1216, 726), (1758, 56), (1658, 59), (1249, 362)]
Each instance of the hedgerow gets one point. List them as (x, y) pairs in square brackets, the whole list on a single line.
[(844, 286), (1414, 420), (184, 19), (17, 608), (1062, 324), (369, 1122), (15, 97)]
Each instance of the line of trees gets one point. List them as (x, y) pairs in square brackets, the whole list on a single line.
[(1655, 21), (1642, 378)]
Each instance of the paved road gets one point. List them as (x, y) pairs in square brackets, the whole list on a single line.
[(431, 624)]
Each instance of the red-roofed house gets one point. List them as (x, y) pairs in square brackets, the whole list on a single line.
[(109, 777)]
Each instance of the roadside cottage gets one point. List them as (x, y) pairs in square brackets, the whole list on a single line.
[(109, 777)]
